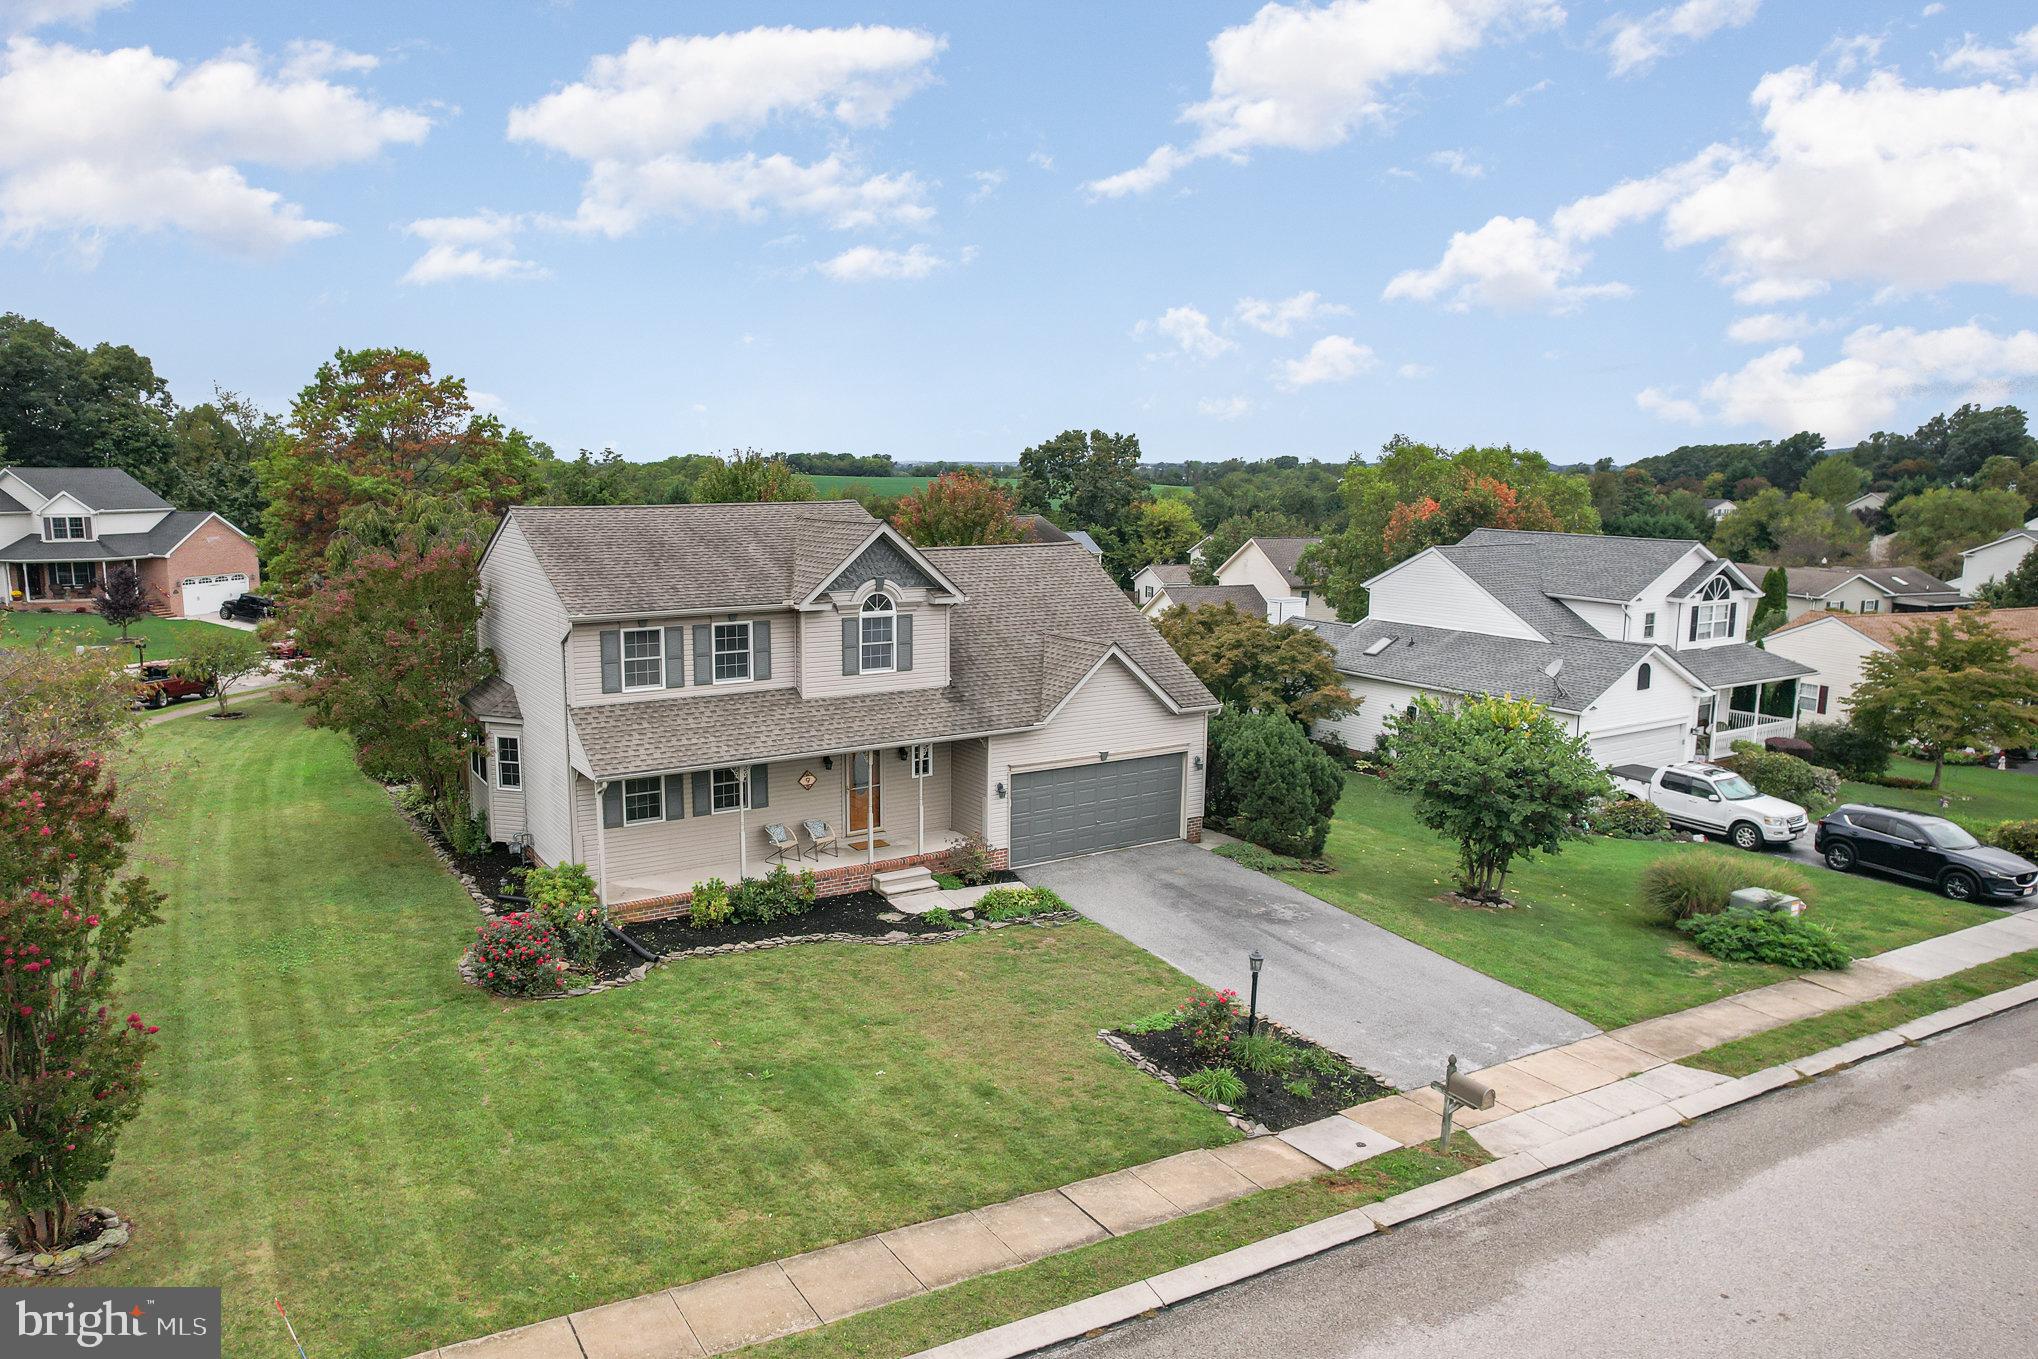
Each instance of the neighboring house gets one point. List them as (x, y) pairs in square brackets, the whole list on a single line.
[(1244, 598), (1719, 509), (673, 678), (1993, 560), (1268, 565), (1038, 528), (1862, 589), (1868, 502), (1835, 645), (61, 528), (1638, 644), (1149, 581)]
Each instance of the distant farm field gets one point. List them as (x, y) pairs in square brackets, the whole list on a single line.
[(830, 485)]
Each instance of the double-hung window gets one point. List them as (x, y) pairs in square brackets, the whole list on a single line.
[(477, 760), (643, 658), (72, 575), (643, 800), (509, 762), (1648, 625), (64, 528), (878, 653), (923, 761), (1871, 606), (725, 787), (1715, 612), (732, 652)]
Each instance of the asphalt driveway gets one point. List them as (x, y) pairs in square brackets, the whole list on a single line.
[(1391, 1006)]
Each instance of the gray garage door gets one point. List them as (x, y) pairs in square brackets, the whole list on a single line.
[(1059, 812)]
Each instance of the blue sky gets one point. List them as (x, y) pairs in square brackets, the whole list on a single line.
[(951, 231)]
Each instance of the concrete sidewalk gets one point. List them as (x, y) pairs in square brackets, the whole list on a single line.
[(1552, 1107)]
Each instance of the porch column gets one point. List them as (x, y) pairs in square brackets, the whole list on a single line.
[(870, 794), (601, 839), (920, 785), (742, 821)]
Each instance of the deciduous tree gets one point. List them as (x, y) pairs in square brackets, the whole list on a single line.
[(1935, 525), (1500, 777), (1835, 479), (1256, 665), (958, 509), (220, 659), (1949, 682), (54, 695), (1092, 479), (121, 598), (752, 475)]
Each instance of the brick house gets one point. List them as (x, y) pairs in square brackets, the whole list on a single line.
[(62, 528)]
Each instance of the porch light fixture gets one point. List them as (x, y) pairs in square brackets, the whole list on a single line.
[(1196, 762), (1001, 792), (902, 752), (827, 762), (1103, 757)]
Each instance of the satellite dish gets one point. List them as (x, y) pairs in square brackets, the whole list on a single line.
[(1554, 668)]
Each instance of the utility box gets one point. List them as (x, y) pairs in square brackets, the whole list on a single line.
[(1763, 899)]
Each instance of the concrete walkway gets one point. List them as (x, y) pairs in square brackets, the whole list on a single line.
[(1391, 1006), (1552, 1106)]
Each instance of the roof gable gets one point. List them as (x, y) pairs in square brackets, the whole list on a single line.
[(1283, 554), (883, 554), (97, 488)]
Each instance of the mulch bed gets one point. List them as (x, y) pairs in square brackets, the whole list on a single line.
[(1267, 1101), (858, 913)]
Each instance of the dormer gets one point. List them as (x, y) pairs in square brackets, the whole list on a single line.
[(878, 622), (1712, 608), (65, 519)]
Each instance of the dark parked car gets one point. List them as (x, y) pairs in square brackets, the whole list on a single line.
[(1924, 849), (248, 608), (157, 684)]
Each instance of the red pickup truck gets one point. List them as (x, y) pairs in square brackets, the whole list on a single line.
[(156, 684)]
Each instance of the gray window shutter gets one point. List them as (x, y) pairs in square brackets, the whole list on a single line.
[(675, 653), (760, 650), (704, 653), (612, 662), (760, 787), (1694, 620), (675, 794), (1733, 613), (612, 806), (703, 794), (902, 632), (849, 647)]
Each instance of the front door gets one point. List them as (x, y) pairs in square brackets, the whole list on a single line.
[(865, 810)]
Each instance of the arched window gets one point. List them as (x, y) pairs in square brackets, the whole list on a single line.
[(878, 652), (1642, 676), (1713, 615)]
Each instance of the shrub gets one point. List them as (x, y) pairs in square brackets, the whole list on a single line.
[(416, 801), (1301, 1087), (947, 882), (1265, 1054), (1160, 1021), (941, 918), (564, 896), (971, 862), (1843, 746), (710, 904), (774, 896), (1699, 881), (1216, 1084), (1785, 776), (467, 835), (2018, 837), (1253, 857), (1013, 903), (1630, 816), (1789, 745), (1209, 1018), (1767, 937), (1893, 781), (1270, 784), (518, 955), (1320, 1062)]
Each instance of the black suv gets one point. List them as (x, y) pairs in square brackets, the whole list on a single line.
[(1926, 849), (247, 608)]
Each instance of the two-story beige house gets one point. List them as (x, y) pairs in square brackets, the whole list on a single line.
[(674, 679)]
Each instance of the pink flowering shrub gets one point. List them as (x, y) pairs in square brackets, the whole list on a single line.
[(1209, 1019), (518, 955)]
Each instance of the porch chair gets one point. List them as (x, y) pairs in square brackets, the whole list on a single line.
[(820, 839), (782, 843)]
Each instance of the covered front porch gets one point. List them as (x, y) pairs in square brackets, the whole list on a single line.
[(1747, 712), (54, 584), (650, 839)]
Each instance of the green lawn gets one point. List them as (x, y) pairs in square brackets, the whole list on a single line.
[(1580, 939), (1979, 797), (406, 1162), (166, 637)]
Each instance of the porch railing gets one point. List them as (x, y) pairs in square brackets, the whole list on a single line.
[(1747, 726)]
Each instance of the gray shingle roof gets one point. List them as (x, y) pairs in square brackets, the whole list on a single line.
[(493, 697), (1737, 663), (1086, 542), (2013, 533), (1475, 663), (1588, 565), (169, 531), (103, 488), (1171, 573), (9, 505), (1285, 554), (1246, 597), (1906, 583), (1036, 618), (1038, 528)]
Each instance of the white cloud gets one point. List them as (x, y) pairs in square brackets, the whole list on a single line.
[(480, 246), (1458, 163), (1188, 330), (638, 118), (312, 59), (1040, 160), (1281, 318), (1334, 358), (22, 16), (1306, 77), (1414, 372), (987, 183), (1511, 263), (1769, 327), (1931, 10), (1877, 182), (1634, 45), (1223, 407), (1664, 406), (126, 140), (1522, 96), (1878, 369), (871, 263), (1994, 63)]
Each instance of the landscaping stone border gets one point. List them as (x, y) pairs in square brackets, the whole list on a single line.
[(1131, 1054), (112, 1235), (1045, 919)]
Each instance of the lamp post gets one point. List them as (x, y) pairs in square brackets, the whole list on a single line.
[(1252, 1014)]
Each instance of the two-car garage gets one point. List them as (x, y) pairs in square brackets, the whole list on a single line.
[(1085, 808)]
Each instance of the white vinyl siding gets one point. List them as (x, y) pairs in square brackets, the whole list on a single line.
[(1835, 652), (821, 652), (583, 658), (1427, 590), (1361, 730), (526, 623), (1113, 711)]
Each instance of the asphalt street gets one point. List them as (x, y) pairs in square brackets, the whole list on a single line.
[(1880, 1211)]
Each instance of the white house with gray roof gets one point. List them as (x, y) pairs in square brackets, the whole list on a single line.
[(674, 679), (1639, 644), (1991, 561)]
